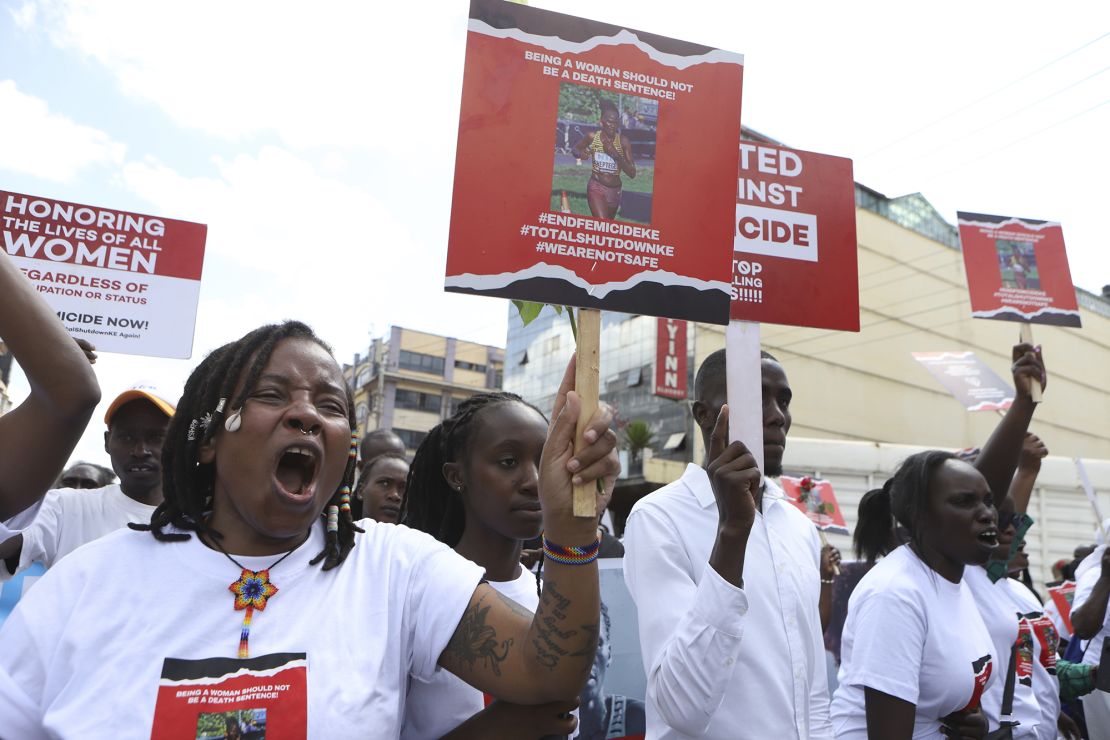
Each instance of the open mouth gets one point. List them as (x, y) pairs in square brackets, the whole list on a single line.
[(141, 468), (988, 537), (296, 471)]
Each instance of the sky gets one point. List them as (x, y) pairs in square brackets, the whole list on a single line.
[(317, 140)]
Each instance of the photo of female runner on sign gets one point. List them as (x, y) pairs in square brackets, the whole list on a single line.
[(610, 153)]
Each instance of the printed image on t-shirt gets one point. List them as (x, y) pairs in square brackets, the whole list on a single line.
[(1044, 631), (233, 699), (242, 724), (1024, 665), (981, 668)]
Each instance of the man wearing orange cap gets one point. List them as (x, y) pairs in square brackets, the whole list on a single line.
[(69, 518)]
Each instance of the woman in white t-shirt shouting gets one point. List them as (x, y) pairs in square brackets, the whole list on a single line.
[(144, 635), (473, 486), (915, 656)]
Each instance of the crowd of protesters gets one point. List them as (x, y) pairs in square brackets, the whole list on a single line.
[(456, 595)]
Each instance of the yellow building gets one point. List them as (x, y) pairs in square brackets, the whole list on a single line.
[(409, 381)]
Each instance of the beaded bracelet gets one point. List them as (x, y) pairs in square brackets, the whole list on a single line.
[(572, 555)]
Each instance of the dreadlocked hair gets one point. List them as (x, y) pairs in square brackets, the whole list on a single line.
[(429, 503), (187, 484)]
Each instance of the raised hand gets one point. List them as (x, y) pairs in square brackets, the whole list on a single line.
[(1028, 368), (1033, 450), (561, 468), (734, 478)]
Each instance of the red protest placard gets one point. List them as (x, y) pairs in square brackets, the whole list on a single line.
[(1062, 597), (127, 282), (815, 499), (970, 381), (590, 163), (1017, 270), (795, 239)]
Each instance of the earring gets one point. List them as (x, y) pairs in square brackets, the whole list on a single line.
[(234, 421)]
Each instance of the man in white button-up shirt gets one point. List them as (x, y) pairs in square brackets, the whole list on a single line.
[(725, 575)]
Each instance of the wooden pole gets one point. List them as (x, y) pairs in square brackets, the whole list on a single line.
[(586, 384), (1027, 337)]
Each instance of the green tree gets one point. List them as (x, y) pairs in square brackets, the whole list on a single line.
[(637, 437)]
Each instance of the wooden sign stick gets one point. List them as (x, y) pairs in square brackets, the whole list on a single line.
[(586, 385), (1027, 337)]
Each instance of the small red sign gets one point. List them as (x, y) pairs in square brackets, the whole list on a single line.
[(1062, 597), (816, 499), (1017, 270), (670, 358), (794, 239), (590, 166)]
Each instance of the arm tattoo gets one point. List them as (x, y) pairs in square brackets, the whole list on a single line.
[(475, 642), (550, 638)]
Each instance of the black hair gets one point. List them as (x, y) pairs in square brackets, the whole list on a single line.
[(187, 484), (375, 435), (430, 504), (874, 534), (712, 369), (605, 105), (903, 499)]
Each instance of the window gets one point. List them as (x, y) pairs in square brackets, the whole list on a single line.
[(473, 366), (363, 378), (411, 438), (421, 363), (406, 399), (361, 412)]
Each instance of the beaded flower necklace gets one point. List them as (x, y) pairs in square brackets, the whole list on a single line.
[(252, 591)]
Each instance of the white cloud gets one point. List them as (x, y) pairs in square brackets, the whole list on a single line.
[(330, 74), (48, 145)]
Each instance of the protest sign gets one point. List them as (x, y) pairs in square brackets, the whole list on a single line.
[(971, 382), (794, 238), (1062, 597), (816, 499), (127, 282), (585, 157), (1017, 270)]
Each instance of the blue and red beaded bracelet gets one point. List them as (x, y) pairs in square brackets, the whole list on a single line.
[(572, 555)]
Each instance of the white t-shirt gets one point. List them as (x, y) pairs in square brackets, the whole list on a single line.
[(1007, 607), (86, 651), (443, 701), (915, 636), (71, 517), (1084, 586)]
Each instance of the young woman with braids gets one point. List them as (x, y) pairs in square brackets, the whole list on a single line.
[(257, 462), (473, 486)]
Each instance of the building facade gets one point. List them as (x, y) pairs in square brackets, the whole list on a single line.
[(861, 402), (409, 381)]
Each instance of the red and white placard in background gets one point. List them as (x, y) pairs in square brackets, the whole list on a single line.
[(1017, 270), (794, 239), (126, 282), (816, 499)]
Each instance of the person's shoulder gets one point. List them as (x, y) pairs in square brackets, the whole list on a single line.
[(900, 574), (82, 499), (396, 543), (676, 494), (124, 545)]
